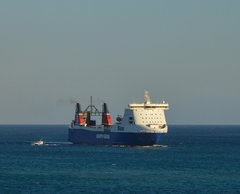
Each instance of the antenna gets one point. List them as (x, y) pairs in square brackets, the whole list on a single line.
[(93, 110), (147, 99), (91, 105)]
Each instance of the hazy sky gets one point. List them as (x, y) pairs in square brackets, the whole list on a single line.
[(53, 52)]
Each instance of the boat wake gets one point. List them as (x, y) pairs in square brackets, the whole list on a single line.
[(154, 146), (148, 146), (50, 143)]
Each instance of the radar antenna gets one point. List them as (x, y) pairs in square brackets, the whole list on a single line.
[(147, 99)]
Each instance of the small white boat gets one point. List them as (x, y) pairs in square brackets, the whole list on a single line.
[(38, 143)]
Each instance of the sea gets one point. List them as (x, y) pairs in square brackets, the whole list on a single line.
[(191, 159)]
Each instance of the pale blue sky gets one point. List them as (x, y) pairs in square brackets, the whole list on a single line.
[(185, 52)]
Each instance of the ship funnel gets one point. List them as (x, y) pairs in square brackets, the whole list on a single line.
[(79, 117), (105, 108), (106, 117), (78, 108)]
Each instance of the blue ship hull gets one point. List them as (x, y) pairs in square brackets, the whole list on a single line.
[(83, 136)]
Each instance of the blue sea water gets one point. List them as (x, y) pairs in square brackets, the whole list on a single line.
[(191, 159)]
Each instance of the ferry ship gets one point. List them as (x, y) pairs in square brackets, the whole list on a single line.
[(142, 124)]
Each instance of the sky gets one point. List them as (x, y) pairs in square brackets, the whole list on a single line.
[(56, 52)]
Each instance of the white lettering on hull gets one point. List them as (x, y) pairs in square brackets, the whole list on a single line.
[(102, 136)]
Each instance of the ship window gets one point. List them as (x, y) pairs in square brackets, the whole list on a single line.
[(120, 128), (130, 118)]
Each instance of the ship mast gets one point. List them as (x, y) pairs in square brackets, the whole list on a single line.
[(93, 109)]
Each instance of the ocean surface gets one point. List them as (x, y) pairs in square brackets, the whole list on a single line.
[(191, 159)]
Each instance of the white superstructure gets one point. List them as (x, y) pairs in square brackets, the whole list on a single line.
[(148, 115)]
